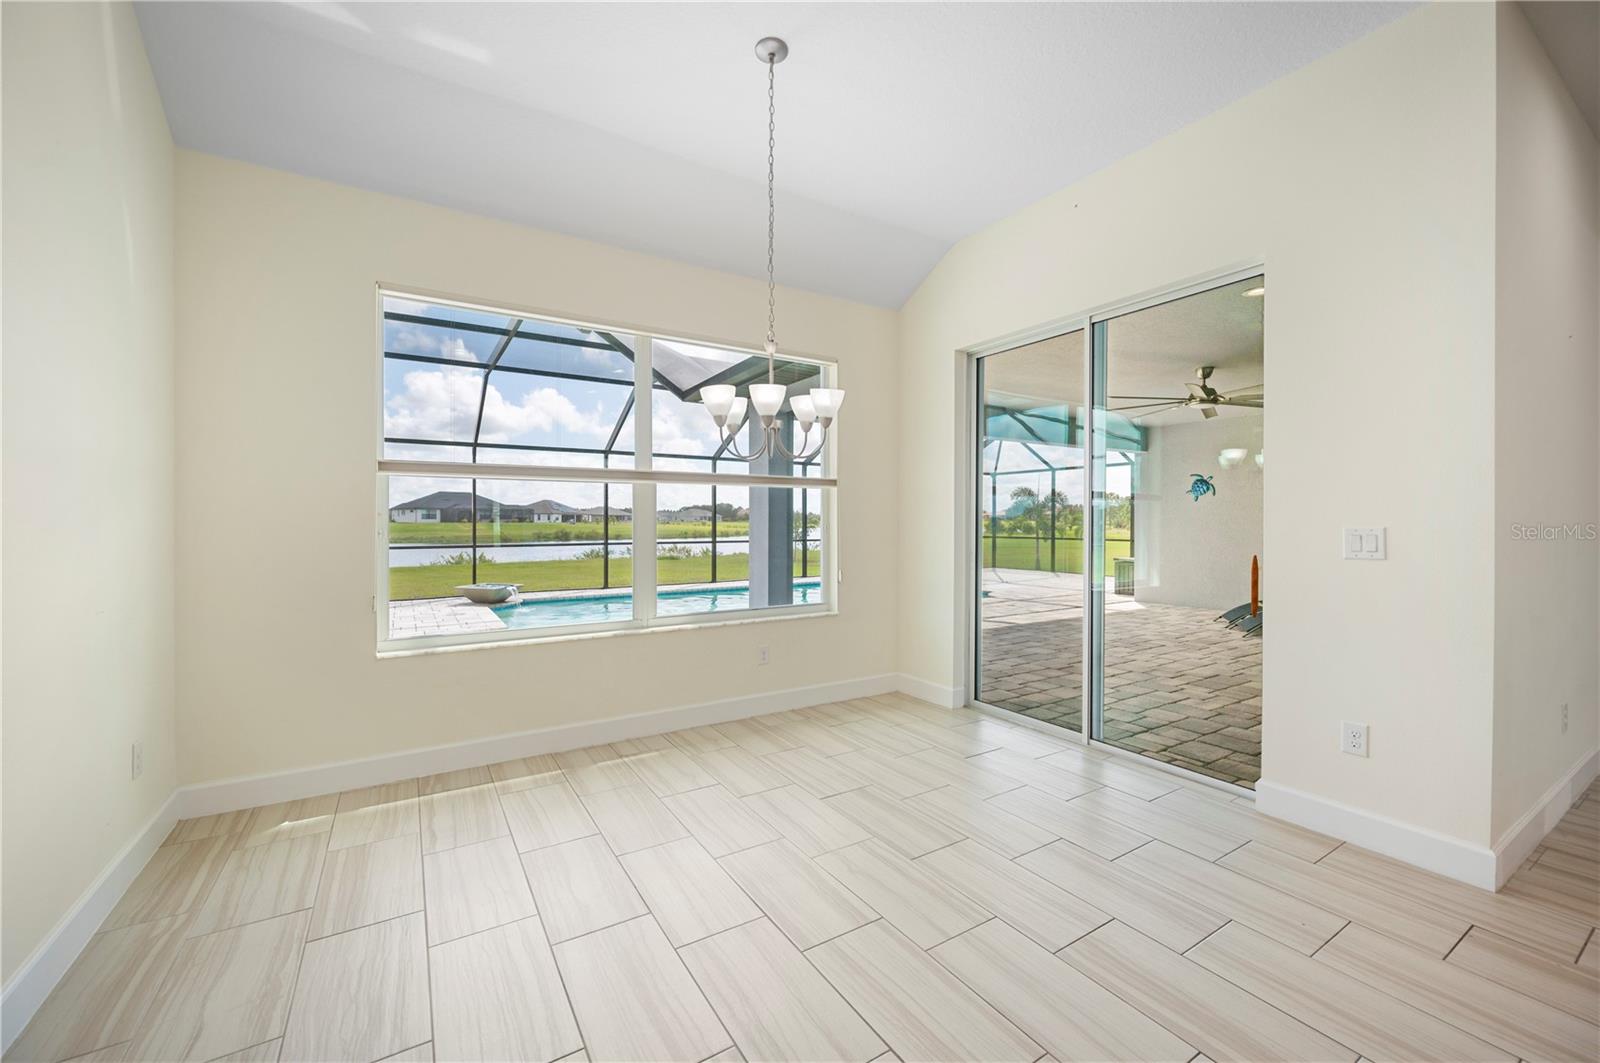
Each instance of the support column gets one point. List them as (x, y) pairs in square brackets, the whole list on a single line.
[(771, 526)]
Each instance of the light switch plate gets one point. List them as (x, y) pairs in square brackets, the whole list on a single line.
[(1366, 544)]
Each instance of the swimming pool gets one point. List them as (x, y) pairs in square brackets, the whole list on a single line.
[(601, 608)]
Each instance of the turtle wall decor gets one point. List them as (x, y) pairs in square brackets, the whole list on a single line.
[(1201, 486)]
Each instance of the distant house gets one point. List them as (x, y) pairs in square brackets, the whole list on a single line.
[(543, 511), (456, 507), (686, 515), (447, 506), (595, 514)]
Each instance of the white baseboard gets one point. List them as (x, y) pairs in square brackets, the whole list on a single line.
[(1427, 849), (942, 696), (1524, 836), (40, 972), (204, 799)]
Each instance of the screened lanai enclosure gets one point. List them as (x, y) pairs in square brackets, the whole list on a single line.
[(486, 390)]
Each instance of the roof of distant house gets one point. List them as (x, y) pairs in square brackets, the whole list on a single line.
[(463, 499), (445, 500)]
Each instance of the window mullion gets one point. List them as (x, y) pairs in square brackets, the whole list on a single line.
[(644, 494)]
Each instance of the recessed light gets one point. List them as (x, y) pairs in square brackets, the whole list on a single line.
[(1254, 293)]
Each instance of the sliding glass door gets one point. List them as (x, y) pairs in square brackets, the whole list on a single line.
[(1178, 458), (1031, 534), (1144, 608)]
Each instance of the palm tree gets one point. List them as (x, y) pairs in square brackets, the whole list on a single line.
[(1030, 500), (1031, 511), (1056, 502)]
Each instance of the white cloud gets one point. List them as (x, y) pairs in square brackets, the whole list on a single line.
[(443, 404), (541, 409), (409, 339), (682, 428)]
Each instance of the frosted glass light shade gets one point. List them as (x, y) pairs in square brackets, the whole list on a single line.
[(804, 412), (736, 413), (1230, 457), (826, 401), (718, 399), (767, 398)]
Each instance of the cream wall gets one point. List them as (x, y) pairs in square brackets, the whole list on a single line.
[(87, 561), (1547, 335), (278, 414), (1365, 183), (1198, 553)]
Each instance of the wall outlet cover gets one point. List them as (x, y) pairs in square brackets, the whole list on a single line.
[(1353, 738)]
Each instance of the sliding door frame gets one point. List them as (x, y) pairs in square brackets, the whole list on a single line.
[(971, 544), (973, 508)]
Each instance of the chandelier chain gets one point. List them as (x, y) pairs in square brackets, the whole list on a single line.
[(772, 312)]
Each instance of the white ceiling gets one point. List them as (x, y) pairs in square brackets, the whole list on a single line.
[(902, 127)]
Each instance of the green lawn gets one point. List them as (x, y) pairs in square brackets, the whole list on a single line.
[(459, 533), (1020, 553), (441, 581)]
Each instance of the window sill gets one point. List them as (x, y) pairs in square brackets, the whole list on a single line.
[(390, 650)]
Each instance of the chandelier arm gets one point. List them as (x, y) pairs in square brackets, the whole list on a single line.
[(803, 455), (733, 451), (817, 451)]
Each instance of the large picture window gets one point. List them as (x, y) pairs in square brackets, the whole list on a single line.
[(525, 461)]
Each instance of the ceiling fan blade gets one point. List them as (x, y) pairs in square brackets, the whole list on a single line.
[(1147, 405), (1253, 401), (1208, 412), (1199, 391), (1149, 398), (1253, 389)]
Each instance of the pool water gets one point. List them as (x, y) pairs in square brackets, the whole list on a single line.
[(604, 608)]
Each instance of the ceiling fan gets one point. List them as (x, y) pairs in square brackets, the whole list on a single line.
[(1202, 396)]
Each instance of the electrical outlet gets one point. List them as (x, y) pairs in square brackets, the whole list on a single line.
[(1353, 738), (1563, 717), (762, 657), (138, 759)]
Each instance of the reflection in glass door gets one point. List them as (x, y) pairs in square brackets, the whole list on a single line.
[(1031, 532), (1177, 622)]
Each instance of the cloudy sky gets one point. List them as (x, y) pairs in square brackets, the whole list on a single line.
[(427, 401)]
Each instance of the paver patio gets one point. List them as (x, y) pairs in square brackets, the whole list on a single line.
[(421, 617), (1180, 686)]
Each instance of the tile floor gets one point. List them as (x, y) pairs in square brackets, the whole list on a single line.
[(867, 880), (1180, 687)]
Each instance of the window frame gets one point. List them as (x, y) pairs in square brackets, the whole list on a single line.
[(640, 476)]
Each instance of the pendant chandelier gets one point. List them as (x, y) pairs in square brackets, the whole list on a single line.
[(727, 408)]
